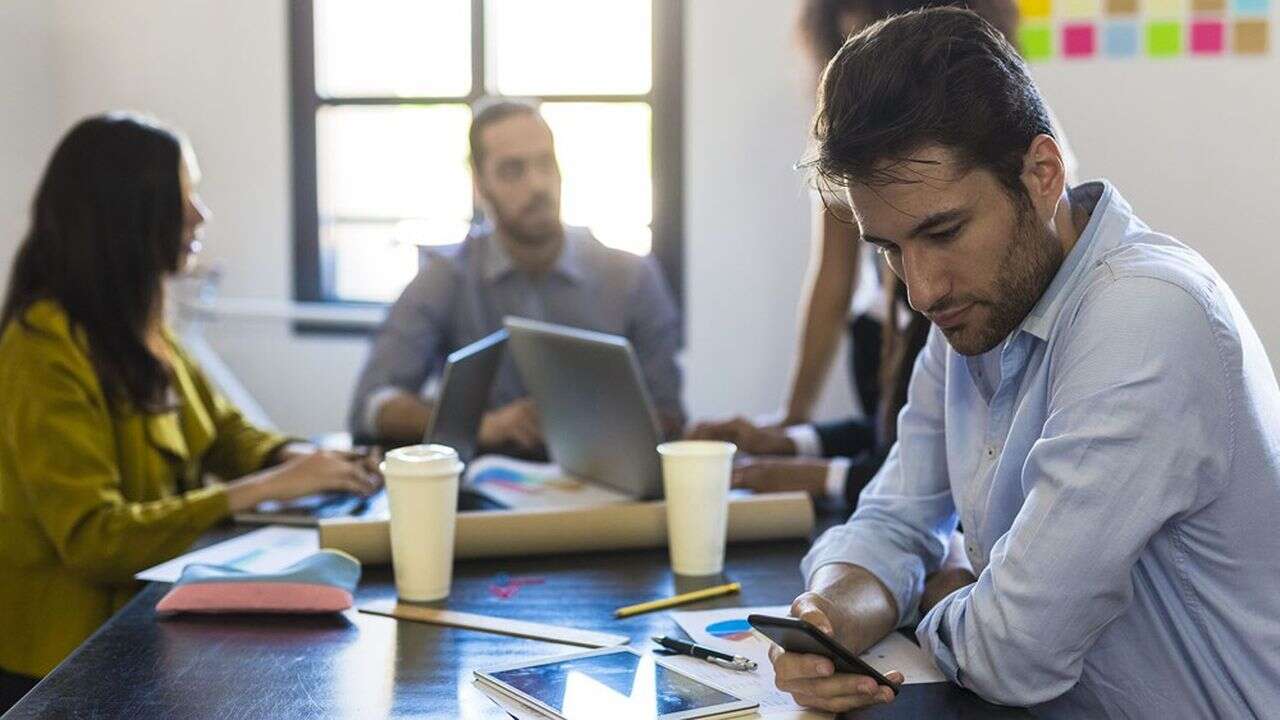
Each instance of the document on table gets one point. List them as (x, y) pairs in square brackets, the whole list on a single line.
[(524, 485), (727, 630), (267, 550)]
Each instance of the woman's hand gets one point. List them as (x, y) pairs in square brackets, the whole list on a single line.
[(775, 474), (307, 474)]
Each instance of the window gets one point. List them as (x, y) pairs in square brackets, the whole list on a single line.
[(381, 107)]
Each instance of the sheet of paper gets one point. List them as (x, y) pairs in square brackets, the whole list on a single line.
[(269, 549), (727, 630), (524, 485)]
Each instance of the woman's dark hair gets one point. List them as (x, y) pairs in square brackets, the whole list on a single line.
[(942, 77), (106, 229), (821, 21)]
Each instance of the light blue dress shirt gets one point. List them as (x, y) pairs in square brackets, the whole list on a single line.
[(1119, 486)]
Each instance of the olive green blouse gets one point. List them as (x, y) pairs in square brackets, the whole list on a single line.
[(90, 496)]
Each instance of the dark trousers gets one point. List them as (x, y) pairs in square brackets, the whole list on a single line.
[(12, 687)]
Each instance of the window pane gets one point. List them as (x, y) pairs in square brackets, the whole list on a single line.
[(394, 163), (559, 47), (369, 262), (604, 156), (393, 48)]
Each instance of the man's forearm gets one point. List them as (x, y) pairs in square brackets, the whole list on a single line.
[(868, 610), (403, 418)]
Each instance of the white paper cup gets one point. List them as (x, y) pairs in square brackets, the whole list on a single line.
[(695, 478), (422, 486)]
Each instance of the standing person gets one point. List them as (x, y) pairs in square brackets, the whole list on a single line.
[(526, 263), (1093, 403), (847, 287), (106, 425)]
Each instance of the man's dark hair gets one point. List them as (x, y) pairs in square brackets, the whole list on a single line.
[(488, 111), (942, 76), (820, 20)]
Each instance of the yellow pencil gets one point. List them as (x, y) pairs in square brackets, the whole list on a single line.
[(644, 607)]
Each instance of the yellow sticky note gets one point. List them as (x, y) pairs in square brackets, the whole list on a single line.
[(1079, 9), (1165, 8), (1033, 9)]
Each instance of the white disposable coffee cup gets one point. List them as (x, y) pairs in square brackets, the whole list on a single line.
[(695, 478), (422, 486)]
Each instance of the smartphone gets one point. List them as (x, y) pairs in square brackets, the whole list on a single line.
[(795, 635)]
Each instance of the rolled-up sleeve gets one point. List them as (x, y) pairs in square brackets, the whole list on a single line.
[(411, 342), (654, 333), (905, 516), (1107, 472)]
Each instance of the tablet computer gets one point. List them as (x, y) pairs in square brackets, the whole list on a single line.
[(612, 683)]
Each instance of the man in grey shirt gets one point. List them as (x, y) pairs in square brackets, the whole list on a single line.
[(526, 263)]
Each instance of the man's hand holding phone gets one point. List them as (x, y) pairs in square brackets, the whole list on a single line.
[(812, 679)]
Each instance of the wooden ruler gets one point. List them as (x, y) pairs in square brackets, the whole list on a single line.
[(488, 623)]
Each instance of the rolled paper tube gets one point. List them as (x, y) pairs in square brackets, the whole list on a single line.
[(624, 526)]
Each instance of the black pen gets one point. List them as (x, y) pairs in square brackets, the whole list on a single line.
[(733, 662)]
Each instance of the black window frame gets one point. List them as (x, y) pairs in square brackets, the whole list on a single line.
[(312, 272)]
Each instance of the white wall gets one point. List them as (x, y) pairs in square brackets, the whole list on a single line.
[(1193, 146), (747, 111), (27, 129), (219, 71), (1191, 143)]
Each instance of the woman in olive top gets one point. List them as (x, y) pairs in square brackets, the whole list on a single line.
[(107, 428)]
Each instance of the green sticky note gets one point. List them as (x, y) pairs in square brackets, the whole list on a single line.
[(1036, 42), (1164, 39)]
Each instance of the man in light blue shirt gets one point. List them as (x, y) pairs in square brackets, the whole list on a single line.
[(1093, 405)]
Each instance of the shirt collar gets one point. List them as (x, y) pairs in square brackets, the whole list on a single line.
[(1041, 318), (498, 264)]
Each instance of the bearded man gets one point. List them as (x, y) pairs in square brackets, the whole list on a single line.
[(523, 261), (1092, 404)]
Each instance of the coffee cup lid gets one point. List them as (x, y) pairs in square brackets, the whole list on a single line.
[(422, 460)]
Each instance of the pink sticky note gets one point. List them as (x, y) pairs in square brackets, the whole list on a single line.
[(1078, 40), (1207, 37)]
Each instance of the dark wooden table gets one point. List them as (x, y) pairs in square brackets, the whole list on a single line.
[(364, 666)]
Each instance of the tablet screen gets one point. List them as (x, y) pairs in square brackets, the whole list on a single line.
[(614, 685)]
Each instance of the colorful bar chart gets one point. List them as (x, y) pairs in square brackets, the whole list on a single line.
[(1120, 29)]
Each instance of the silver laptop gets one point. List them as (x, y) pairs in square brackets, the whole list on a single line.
[(596, 414), (464, 395)]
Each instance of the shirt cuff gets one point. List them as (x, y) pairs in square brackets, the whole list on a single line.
[(838, 478), (936, 637), (806, 439), (373, 405)]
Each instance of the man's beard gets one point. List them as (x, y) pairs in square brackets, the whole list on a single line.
[(1028, 266), (518, 230)]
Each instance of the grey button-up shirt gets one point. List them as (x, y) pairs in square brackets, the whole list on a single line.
[(463, 292), (1116, 464)]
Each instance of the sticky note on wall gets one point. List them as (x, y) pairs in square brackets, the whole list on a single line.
[(1165, 9), (1034, 9), (1249, 37), (1079, 9), (1078, 40), (1208, 37), (1251, 7), (1120, 39), (1036, 42), (1164, 39)]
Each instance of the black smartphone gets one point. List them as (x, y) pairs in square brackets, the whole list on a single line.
[(795, 635)]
